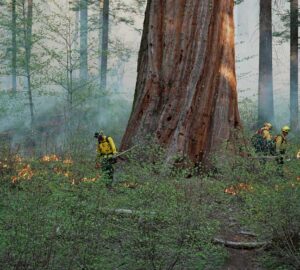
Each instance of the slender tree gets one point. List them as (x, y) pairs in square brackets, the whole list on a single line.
[(84, 40), (104, 54), (294, 58), (61, 29), (100, 35), (77, 24), (186, 87), (265, 88), (14, 45), (28, 47)]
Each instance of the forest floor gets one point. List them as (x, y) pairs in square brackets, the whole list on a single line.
[(242, 260), (67, 183), (239, 259)]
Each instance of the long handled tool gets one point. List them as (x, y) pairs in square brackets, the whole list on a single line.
[(124, 152)]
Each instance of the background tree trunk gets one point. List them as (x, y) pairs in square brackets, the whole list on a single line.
[(14, 46), (294, 120), (100, 36), (265, 88), (186, 86), (77, 25), (104, 54), (84, 40), (28, 48)]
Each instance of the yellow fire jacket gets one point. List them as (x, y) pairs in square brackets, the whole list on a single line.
[(106, 146), (266, 134), (281, 144)]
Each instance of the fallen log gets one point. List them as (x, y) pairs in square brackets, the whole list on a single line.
[(240, 245), (226, 243), (230, 244), (123, 211)]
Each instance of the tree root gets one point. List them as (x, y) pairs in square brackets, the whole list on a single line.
[(219, 241)]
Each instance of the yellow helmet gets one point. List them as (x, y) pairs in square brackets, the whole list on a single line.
[(269, 125), (285, 129)]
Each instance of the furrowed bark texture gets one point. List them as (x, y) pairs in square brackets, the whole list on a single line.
[(186, 86)]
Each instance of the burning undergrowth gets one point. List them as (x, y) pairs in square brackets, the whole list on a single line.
[(264, 197), (17, 169), (50, 209)]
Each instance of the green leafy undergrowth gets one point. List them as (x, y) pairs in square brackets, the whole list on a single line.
[(266, 197), (57, 213)]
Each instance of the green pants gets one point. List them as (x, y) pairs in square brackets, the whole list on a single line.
[(106, 165), (280, 162)]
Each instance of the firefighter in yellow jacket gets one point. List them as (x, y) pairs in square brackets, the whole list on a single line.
[(281, 144), (106, 149), (281, 140), (262, 139), (265, 131)]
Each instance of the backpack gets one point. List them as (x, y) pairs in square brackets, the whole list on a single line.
[(260, 144), (104, 146)]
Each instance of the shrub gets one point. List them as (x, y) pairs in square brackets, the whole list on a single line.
[(51, 221), (266, 197)]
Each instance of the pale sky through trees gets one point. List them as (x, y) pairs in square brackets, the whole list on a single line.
[(247, 42), (247, 46)]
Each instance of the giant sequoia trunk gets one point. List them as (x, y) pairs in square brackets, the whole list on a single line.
[(294, 66), (186, 86), (265, 88)]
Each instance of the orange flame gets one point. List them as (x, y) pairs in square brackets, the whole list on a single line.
[(18, 159), (61, 172), (234, 190), (231, 190), (85, 179), (49, 158), (91, 179), (25, 173), (68, 161)]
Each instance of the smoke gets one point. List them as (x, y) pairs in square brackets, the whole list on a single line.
[(247, 50), (109, 110), (57, 123)]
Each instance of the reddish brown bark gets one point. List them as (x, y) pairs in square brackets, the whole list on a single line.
[(186, 85)]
